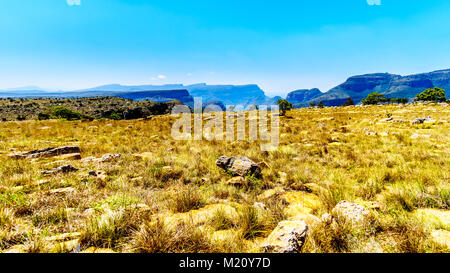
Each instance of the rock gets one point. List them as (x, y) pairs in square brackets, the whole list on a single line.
[(109, 158), (321, 125), (241, 166), (48, 152), (88, 159), (352, 212), (399, 121), (420, 136), (371, 133), (386, 120), (421, 120), (288, 237), (99, 174), (62, 191), (75, 156), (104, 159), (238, 181), (62, 169)]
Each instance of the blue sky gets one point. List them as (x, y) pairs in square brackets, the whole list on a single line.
[(281, 45)]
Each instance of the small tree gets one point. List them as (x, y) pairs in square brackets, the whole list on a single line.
[(432, 94), (284, 106), (312, 104), (349, 102), (320, 104), (374, 98)]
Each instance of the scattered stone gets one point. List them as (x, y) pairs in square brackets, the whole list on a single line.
[(62, 169), (420, 136), (421, 120), (104, 159), (241, 166), (109, 158), (353, 212), (238, 181), (399, 121), (371, 133), (321, 125), (386, 120), (100, 175), (109, 125), (62, 191), (288, 237), (48, 152)]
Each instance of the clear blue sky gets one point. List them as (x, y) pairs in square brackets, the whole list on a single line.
[(281, 45)]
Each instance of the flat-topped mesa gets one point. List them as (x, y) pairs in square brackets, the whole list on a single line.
[(48, 152)]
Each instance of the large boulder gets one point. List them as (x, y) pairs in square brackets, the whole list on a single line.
[(288, 237), (241, 166)]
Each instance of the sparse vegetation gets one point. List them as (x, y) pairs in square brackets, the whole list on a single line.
[(164, 195)]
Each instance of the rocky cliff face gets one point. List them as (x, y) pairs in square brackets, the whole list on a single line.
[(358, 87), (303, 95)]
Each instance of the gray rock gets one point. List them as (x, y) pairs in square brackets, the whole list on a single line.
[(288, 237), (62, 169), (109, 158), (48, 152), (421, 120), (242, 166), (353, 212)]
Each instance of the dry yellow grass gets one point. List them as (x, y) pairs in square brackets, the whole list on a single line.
[(400, 170)]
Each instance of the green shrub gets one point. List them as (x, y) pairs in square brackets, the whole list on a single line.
[(432, 94), (61, 112)]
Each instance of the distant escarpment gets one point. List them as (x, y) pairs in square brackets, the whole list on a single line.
[(391, 85), (303, 95)]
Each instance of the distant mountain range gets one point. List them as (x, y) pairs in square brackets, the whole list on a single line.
[(356, 87), (222, 95)]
